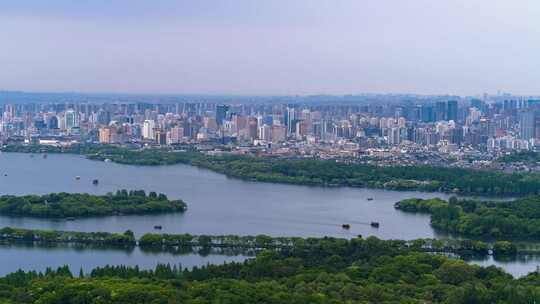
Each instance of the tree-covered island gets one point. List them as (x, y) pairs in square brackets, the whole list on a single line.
[(73, 205)]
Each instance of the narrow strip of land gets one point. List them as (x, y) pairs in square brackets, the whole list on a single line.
[(168, 242)]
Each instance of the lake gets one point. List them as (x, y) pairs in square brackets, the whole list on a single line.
[(216, 204), (30, 257)]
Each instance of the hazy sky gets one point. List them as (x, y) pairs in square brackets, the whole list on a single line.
[(271, 46)]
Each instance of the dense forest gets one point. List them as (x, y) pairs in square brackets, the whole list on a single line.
[(328, 271), (316, 171), (517, 219), (62, 205)]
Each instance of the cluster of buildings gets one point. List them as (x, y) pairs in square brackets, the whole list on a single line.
[(432, 129)]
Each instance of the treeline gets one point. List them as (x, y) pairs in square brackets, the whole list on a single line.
[(316, 171), (189, 243), (68, 237), (65, 205), (457, 246), (517, 219), (331, 271)]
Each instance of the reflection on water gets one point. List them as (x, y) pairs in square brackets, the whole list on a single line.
[(31, 257), (518, 266)]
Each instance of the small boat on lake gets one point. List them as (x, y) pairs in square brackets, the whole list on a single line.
[(375, 224), (346, 226), (77, 177), (158, 227), (370, 198), (95, 182)]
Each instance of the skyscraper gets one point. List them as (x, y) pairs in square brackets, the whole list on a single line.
[(440, 111), (526, 124), (148, 129), (72, 119), (221, 113), (290, 120), (452, 110), (427, 113)]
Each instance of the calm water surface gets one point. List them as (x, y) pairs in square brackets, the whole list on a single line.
[(29, 257), (216, 204)]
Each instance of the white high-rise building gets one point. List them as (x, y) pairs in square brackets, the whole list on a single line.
[(148, 129), (265, 133), (72, 119)]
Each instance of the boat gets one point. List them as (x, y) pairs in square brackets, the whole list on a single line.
[(157, 227), (346, 226), (95, 182), (370, 198), (375, 224), (77, 177)]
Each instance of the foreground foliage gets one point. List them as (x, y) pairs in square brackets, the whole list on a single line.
[(326, 271), (61, 205)]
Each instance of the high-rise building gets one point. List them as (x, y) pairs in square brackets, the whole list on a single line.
[(105, 135), (265, 132), (440, 111), (160, 136), (279, 134), (72, 119), (290, 120), (148, 129), (221, 113), (52, 122), (175, 135), (452, 110), (10, 112), (427, 113), (526, 124), (252, 128)]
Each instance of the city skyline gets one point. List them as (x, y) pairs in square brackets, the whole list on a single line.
[(278, 151), (270, 48)]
